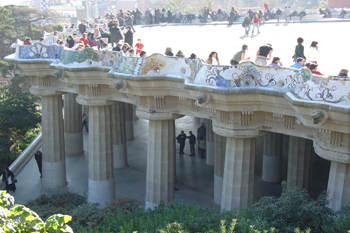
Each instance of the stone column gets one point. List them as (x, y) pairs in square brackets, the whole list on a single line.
[(118, 135), (160, 162), (73, 131), (272, 159), (210, 142), (299, 162), (237, 190), (129, 121), (101, 172), (339, 185), (53, 164), (219, 164), (85, 109), (134, 116)]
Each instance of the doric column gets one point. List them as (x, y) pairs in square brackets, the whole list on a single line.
[(299, 162), (129, 121), (134, 116), (209, 142), (339, 185), (85, 109), (219, 164), (73, 131), (160, 162), (272, 158), (53, 164), (101, 172), (237, 190), (118, 135)]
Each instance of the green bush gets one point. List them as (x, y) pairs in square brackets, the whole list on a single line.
[(57, 27), (294, 209), (18, 218)]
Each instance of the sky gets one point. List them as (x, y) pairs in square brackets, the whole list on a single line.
[(10, 2)]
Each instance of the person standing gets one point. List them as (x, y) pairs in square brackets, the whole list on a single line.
[(39, 158), (313, 52), (129, 37), (278, 15), (170, 16), (85, 122), (9, 178), (299, 49), (192, 142), (246, 24), (286, 14), (147, 16), (256, 22), (181, 139), (263, 55), (220, 15), (113, 30), (202, 146), (205, 14), (240, 56), (82, 27)]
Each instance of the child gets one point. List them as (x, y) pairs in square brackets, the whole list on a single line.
[(139, 47)]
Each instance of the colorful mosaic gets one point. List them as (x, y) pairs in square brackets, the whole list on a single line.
[(38, 51), (301, 83)]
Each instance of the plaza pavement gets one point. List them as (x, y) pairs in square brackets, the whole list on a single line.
[(194, 178)]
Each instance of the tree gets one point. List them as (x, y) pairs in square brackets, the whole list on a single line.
[(18, 218), (17, 22)]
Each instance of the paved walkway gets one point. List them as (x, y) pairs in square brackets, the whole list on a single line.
[(194, 177)]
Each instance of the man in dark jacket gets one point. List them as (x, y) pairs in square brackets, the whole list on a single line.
[(192, 142), (129, 37), (181, 139), (39, 158), (82, 27)]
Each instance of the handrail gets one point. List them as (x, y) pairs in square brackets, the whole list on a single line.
[(24, 157)]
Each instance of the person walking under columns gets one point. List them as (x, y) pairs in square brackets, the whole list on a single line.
[(181, 139), (202, 146), (85, 122), (39, 159), (192, 143)]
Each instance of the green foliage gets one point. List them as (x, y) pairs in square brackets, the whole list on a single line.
[(341, 223), (18, 218), (294, 209), (19, 116), (57, 27), (4, 69)]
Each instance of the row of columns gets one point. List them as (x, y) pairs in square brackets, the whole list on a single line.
[(233, 158)]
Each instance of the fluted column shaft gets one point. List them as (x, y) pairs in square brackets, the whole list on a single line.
[(160, 162), (73, 131), (299, 162), (53, 149), (129, 121), (339, 185), (118, 135), (101, 172), (272, 158), (219, 164), (237, 190), (209, 142)]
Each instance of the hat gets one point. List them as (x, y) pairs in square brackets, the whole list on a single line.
[(269, 44)]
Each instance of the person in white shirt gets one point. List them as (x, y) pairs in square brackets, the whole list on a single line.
[(213, 59), (313, 52)]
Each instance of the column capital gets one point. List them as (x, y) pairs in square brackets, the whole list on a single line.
[(45, 92), (237, 133), (94, 102), (154, 115)]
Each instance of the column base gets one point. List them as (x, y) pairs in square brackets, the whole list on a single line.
[(218, 189), (54, 174), (73, 144), (119, 156), (101, 192), (150, 205), (271, 170), (210, 153), (129, 128)]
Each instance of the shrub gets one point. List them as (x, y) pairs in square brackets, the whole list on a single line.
[(57, 27), (294, 209), (19, 218)]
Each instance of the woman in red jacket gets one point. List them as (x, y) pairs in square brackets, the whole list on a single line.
[(84, 39), (256, 21)]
